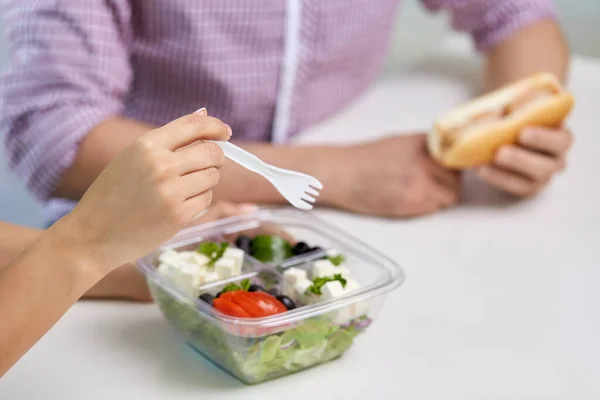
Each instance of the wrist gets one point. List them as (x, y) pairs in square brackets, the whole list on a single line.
[(69, 237)]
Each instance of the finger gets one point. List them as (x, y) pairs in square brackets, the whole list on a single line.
[(198, 182), (507, 181), (551, 141), (527, 163), (198, 157), (190, 128), (195, 205)]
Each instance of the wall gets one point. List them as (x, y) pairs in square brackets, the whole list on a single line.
[(419, 32)]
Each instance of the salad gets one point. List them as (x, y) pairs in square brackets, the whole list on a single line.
[(255, 353)]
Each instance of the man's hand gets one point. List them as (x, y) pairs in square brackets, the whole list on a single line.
[(525, 169), (393, 177)]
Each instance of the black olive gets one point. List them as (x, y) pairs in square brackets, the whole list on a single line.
[(218, 295), (286, 301), (244, 243), (256, 288), (273, 292), (207, 298), (318, 249), (300, 248)]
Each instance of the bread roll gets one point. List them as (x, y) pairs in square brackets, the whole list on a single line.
[(470, 135)]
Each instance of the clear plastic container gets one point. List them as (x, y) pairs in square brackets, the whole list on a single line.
[(259, 349)]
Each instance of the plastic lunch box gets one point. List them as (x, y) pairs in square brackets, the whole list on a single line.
[(255, 350)]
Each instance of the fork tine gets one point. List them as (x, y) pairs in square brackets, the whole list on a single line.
[(316, 184), (303, 205), (312, 192), (308, 198)]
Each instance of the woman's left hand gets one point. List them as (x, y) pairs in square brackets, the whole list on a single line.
[(526, 168)]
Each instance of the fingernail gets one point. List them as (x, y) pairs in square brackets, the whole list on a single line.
[(201, 111), (247, 207), (229, 130)]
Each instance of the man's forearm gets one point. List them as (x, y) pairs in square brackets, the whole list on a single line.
[(237, 184), (95, 152), (536, 48)]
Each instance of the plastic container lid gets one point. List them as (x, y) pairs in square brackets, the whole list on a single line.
[(378, 273)]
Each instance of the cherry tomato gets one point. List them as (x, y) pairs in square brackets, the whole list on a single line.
[(269, 303), (248, 302), (254, 304), (226, 306)]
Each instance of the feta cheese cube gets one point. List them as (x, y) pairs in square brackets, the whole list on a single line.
[(293, 275), (332, 290), (165, 270), (238, 256), (332, 253), (211, 276), (225, 268), (351, 285), (194, 257), (323, 268), (191, 277), (288, 290), (300, 290), (170, 257), (345, 272)]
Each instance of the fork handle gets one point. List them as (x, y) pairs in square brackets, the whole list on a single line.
[(241, 156)]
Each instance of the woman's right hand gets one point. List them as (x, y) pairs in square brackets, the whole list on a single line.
[(149, 192)]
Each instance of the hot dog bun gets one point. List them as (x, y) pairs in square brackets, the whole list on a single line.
[(470, 135)]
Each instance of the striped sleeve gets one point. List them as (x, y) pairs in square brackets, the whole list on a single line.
[(492, 21), (68, 71)]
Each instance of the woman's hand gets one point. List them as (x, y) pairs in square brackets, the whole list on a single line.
[(150, 191), (147, 193), (525, 169)]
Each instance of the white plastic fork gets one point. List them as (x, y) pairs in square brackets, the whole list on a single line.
[(301, 190)]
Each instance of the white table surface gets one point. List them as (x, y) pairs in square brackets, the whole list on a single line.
[(501, 301)]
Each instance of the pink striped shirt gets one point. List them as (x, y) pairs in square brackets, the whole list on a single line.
[(269, 68)]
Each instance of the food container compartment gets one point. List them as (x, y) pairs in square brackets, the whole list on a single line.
[(316, 331)]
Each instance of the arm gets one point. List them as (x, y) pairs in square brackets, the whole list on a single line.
[(519, 38), (38, 288), (13, 242), (237, 184), (68, 72), (122, 283), (240, 185), (538, 47), (62, 135), (527, 168), (135, 205)]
